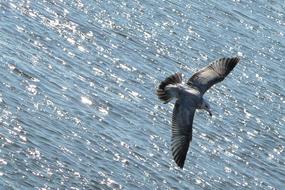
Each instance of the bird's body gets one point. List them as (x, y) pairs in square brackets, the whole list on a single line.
[(189, 97)]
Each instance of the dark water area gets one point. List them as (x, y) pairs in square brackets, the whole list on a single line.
[(78, 108)]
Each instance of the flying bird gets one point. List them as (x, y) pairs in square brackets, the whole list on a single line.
[(189, 97)]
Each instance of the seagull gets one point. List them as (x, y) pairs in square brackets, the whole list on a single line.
[(189, 97)]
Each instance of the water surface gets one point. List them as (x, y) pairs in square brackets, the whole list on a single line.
[(77, 100)]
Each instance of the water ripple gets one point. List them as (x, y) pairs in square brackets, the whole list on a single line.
[(77, 100)]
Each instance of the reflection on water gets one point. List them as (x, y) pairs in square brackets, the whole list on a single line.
[(77, 102)]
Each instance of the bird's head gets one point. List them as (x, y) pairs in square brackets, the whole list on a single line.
[(206, 106)]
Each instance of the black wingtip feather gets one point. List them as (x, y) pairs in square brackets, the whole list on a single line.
[(180, 148), (224, 66), (180, 160), (232, 62)]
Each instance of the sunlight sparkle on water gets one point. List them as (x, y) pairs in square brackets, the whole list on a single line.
[(86, 100)]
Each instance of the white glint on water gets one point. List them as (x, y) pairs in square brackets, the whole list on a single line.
[(86, 100)]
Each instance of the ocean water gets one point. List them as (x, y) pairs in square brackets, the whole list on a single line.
[(78, 108)]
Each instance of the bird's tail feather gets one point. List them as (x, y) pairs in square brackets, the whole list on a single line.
[(162, 93)]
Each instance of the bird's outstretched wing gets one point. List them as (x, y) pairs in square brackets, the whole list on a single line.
[(182, 120), (212, 74)]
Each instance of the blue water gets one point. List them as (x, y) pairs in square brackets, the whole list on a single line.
[(78, 108)]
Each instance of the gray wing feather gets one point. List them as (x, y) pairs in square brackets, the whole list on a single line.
[(182, 120), (212, 74)]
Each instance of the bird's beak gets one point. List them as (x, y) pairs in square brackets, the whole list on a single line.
[(210, 113)]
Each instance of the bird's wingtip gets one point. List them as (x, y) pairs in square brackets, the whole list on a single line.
[(237, 58), (181, 166)]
